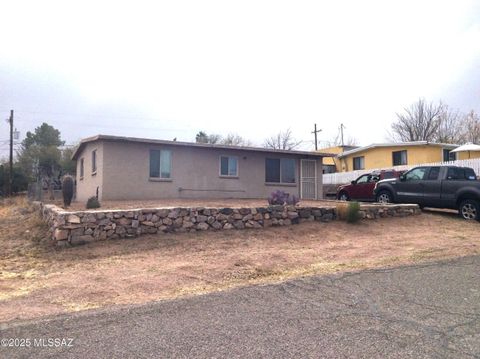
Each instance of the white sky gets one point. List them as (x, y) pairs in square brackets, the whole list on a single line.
[(169, 69)]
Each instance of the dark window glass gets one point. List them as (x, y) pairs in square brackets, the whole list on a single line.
[(448, 155), (94, 161), (81, 168), (470, 174), (434, 172), (458, 173), (272, 170), (288, 170), (399, 158), (362, 179), (154, 163), (388, 174), (359, 163), (417, 174)]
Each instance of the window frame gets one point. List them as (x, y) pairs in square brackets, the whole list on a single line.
[(400, 164), (362, 158), (160, 178), (94, 162), (237, 167), (281, 183)]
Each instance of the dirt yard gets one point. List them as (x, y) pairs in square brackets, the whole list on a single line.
[(37, 279), (232, 203)]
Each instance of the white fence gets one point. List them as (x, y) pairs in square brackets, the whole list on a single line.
[(345, 177)]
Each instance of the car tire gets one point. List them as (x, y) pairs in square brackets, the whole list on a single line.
[(384, 197), (343, 196), (469, 209)]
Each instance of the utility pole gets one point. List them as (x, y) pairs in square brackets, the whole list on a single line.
[(315, 131), (10, 173), (341, 133)]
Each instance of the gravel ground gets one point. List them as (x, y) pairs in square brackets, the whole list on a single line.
[(420, 311)]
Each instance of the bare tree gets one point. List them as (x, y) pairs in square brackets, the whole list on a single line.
[(233, 139), (471, 128), (419, 122), (450, 126), (282, 141)]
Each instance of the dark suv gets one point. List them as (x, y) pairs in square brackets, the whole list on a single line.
[(362, 188)]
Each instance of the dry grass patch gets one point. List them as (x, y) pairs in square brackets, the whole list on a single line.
[(41, 279)]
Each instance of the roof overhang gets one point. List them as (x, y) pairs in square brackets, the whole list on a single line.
[(84, 141), (397, 144)]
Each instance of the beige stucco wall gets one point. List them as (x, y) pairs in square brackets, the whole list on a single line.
[(124, 170), (87, 186)]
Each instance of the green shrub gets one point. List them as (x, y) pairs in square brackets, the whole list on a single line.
[(93, 202), (67, 190), (349, 212), (353, 212)]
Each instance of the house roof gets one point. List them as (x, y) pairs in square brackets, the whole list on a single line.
[(397, 144), (84, 141)]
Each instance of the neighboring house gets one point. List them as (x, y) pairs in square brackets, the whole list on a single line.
[(330, 163), (125, 168), (385, 155)]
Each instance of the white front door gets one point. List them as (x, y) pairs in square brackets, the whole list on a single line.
[(308, 179)]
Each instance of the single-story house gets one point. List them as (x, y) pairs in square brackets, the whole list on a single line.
[(126, 168), (387, 155)]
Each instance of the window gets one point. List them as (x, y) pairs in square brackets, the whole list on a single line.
[(228, 166), (399, 158), (433, 174), (94, 162), (389, 174), (363, 179), (280, 170), (359, 163), (459, 173), (160, 164), (417, 174), (81, 168), (448, 155)]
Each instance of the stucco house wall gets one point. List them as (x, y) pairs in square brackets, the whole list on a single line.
[(88, 184), (381, 157), (123, 172)]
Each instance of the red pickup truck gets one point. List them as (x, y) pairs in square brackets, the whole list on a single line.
[(362, 188)]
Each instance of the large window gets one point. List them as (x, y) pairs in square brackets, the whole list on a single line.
[(280, 170), (94, 161), (399, 158), (160, 164), (359, 163), (228, 166)]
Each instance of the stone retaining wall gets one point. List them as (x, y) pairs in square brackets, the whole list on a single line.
[(84, 226)]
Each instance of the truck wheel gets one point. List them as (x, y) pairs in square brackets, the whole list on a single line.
[(343, 196), (384, 197), (469, 209)]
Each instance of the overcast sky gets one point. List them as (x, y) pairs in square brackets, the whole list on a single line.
[(169, 69)]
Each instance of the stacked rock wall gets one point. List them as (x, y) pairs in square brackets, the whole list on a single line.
[(89, 225)]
